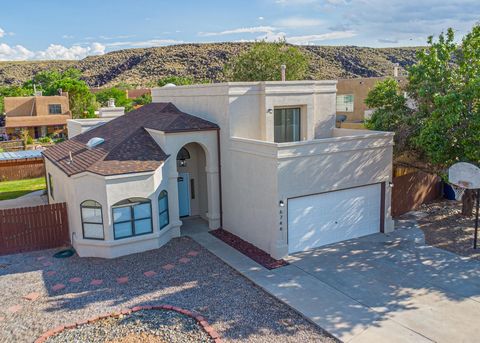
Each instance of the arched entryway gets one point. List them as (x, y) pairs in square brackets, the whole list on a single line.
[(192, 181)]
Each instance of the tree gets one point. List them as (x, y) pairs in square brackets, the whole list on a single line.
[(445, 86), (391, 113), (264, 60), (120, 96), (176, 80), (81, 100), (142, 100)]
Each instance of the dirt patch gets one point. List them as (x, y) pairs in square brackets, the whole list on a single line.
[(445, 228)]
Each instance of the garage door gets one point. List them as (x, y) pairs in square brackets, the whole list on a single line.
[(321, 219)]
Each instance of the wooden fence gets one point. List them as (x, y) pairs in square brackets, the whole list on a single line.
[(33, 228), (13, 145), (414, 189), (21, 169)]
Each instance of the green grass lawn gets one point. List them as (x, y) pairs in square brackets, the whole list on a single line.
[(14, 189)]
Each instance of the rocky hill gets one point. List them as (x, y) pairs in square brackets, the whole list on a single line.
[(144, 67)]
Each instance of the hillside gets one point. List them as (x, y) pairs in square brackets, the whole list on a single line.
[(205, 62)]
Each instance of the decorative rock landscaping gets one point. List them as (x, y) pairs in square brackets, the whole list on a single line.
[(36, 299), (154, 324)]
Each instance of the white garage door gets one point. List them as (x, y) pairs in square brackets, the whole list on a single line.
[(321, 219)]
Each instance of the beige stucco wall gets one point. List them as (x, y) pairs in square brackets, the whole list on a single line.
[(34, 105), (359, 88), (108, 191)]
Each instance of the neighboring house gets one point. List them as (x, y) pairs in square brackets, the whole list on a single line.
[(262, 160), (351, 95), (105, 114), (40, 115)]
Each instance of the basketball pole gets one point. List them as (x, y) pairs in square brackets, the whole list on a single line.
[(476, 220)]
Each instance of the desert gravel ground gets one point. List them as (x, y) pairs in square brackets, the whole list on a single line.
[(152, 326), (445, 228), (181, 273)]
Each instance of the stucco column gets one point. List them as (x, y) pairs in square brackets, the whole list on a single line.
[(213, 194), (279, 245), (389, 224), (173, 211)]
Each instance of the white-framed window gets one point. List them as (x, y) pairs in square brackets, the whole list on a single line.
[(92, 219), (132, 217), (54, 109), (345, 103), (286, 125), (163, 219)]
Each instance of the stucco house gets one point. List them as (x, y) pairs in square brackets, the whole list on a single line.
[(262, 160), (40, 115)]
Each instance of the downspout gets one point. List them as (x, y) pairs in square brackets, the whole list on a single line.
[(220, 179)]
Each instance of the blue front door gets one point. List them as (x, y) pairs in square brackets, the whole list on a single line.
[(183, 194)]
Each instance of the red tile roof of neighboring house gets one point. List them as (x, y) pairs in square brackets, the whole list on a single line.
[(128, 147), (135, 93)]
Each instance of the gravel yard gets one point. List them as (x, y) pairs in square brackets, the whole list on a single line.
[(40, 292), (149, 326), (445, 228)]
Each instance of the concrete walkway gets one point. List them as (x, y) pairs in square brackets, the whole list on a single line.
[(374, 289)]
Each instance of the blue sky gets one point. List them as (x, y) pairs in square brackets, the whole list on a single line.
[(34, 29)]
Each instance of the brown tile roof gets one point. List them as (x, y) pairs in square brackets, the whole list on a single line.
[(128, 147), (29, 121)]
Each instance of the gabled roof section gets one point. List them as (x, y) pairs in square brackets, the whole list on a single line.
[(128, 147)]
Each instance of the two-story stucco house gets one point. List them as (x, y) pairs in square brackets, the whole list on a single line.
[(40, 115), (262, 160)]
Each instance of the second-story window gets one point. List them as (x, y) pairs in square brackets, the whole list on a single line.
[(54, 109), (345, 103), (287, 125)]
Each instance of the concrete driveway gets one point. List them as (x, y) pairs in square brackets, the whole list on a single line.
[(375, 289), (407, 291)]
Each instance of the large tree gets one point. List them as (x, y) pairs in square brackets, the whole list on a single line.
[(119, 95), (50, 82), (445, 86), (263, 61)]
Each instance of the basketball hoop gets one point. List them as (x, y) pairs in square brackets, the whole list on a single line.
[(459, 191), (464, 176)]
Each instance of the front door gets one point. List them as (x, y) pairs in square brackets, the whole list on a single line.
[(183, 194)]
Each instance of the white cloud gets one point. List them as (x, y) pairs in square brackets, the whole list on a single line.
[(14, 53), (298, 22), (261, 18), (2, 33), (67, 36), (53, 52), (309, 39), (255, 29)]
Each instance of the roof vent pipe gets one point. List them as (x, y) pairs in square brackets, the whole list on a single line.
[(284, 68), (395, 70)]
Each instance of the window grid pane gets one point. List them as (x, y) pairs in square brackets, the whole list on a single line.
[(345, 103)]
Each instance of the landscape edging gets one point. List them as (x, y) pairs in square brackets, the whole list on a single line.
[(201, 320)]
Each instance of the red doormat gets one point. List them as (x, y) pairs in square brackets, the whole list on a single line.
[(249, 250)]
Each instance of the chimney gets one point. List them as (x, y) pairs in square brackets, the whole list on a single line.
[(60, 91), (395, 70), (284, 68), (111, 111)]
